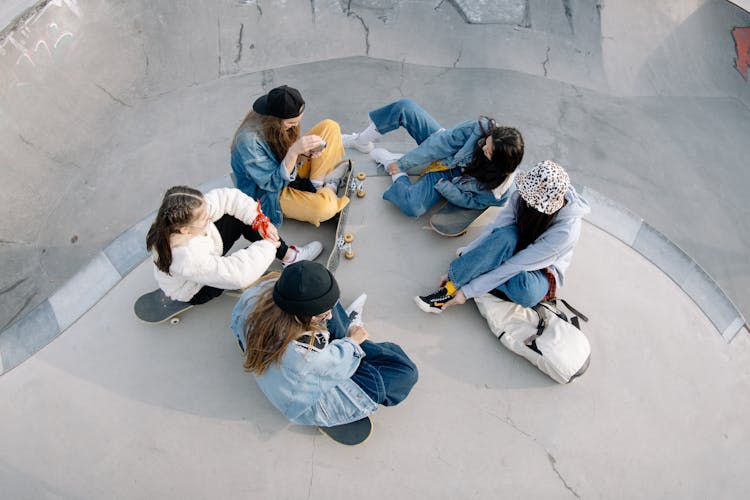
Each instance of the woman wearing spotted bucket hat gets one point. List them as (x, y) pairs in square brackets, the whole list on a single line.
[(310, 356), (523, 255), (290, 174)]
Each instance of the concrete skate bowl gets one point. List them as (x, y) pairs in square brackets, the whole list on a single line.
[(104, 105)]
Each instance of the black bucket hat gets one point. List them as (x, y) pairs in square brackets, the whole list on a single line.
[(306, 288), (282, 102)]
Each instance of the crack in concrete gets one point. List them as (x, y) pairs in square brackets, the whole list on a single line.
[(14, 285), (267, 78), (218, 42), (46, 153), (117, 100), (312, 470), (545, 62), (552, 460), (312, 7), (364, 25), (460, 52), (568, 8), (439, 5), (21, 310), (239, 44), (553, 463), (401, 77)]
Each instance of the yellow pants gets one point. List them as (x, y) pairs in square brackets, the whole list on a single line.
[(324, 204)]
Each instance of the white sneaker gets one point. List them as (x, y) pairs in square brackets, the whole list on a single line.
[(460, 251), (333, 178), (383, 157), (354, 311), (350, 141), (307, 252)]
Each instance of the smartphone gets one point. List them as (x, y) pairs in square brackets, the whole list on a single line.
[(317, 149)]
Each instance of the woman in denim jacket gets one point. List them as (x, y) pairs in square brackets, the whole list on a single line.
[(522, 256), (471, 165), (311, 357), (290, 174)]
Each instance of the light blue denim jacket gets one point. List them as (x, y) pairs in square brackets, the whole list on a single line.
[(310, 387), (553, 249), (453, 146), (467, 192), (259, 174)]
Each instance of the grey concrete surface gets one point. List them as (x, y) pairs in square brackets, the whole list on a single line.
[(106, 104), (118, 409)]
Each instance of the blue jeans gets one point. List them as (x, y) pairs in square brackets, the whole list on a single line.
[(413, 199), (386, 373), (526, 288)]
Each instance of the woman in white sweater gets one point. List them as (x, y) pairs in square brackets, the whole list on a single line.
[(193, 232)]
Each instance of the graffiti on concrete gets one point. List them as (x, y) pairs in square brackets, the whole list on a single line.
[(742, 45), (40, 38)]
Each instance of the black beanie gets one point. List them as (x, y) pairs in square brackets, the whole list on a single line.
[(306, 288)]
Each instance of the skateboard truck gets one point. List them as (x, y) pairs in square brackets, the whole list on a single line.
[(358, 184), (344, 244)]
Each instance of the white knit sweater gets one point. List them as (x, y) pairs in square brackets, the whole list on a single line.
[(199, 262)]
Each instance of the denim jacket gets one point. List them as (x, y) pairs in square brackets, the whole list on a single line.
[(310, 386), (467, 192), (259, 174), (453, 146)]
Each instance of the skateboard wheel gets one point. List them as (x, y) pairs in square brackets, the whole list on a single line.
[(174, 320), (349, 254), (361, 193), (348, 238), (361, 176)]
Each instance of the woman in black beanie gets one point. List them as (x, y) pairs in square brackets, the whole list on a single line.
[(310, 356)]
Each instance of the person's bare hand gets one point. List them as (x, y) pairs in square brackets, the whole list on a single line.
[(271, 233), (458, 299), (305, 143), (358, 333)]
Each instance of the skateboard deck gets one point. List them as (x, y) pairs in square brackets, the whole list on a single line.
[(343, 241), (155, 307), (451, 220), (350, 434)]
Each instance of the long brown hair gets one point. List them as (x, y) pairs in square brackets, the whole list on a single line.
[(271, 130), (269, 330), (507, 154), (176, 210)]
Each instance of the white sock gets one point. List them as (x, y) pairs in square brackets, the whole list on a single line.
[(397, 175), (368, 135)]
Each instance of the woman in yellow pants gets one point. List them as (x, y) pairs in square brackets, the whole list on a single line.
[(289, 174)]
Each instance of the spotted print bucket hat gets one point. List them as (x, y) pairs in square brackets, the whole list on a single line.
[(544, 186)]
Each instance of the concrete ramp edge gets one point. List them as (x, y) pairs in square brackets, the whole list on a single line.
[(40, 326)]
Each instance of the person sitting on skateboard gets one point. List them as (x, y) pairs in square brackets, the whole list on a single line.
[(471, 165), (310, 356), (523, 255), (290, 174), (193, 232)]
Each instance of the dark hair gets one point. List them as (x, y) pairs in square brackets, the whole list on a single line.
[(268, 330), (176, 210), (271, 130), (506, 156), (531, 224)]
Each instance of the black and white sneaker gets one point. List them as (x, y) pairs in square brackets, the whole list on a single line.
[(434, 302)]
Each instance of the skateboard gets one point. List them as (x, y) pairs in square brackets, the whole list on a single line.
[(343, 241), (452, 220), (350, 434), (155, 307)]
